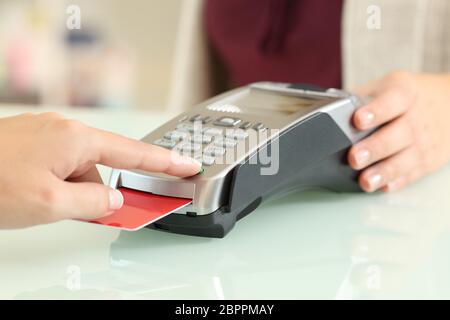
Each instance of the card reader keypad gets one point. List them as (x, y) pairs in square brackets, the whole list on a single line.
[(213, 131), (237, 134), (227, 122), (176, 135), (189, 147), (214, 151), (225, 142), (201, 139), (169, 144), (207, 160), (207, 143)]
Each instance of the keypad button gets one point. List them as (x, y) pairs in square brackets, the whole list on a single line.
[(189, 127), (169, 144), (214, 151), (206, 120), (176, 135), (199, 138), (213, 131), (227, 122), (237, 134), (259, 126), (225, 142), (208, 161), (245, 125), (185, 127), (195, 118), (189, 147)]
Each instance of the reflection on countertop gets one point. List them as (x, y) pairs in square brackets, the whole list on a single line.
[(313, 244)]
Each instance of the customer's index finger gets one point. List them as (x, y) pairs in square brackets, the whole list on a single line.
[(123, 153)]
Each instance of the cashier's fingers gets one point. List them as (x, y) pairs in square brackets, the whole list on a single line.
[(385, 142), (120, 152), (390, 101), (81, 200), (391, 174), (404, 181)]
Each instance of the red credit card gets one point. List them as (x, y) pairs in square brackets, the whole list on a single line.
[(141, 209)]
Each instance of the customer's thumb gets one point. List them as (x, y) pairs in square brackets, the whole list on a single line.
[(88, 200)]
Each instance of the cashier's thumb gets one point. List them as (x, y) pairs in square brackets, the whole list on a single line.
[(89, 200)]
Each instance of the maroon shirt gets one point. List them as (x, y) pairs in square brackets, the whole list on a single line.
[(277, 40)]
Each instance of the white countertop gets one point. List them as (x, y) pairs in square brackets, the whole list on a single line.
[(314, 244)]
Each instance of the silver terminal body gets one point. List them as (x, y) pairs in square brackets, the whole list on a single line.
[(275, 107)]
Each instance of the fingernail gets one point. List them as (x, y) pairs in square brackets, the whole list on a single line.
[(362, 157), (195, 161), (115, 199), (374, 182), (190, 160), (366, 118)]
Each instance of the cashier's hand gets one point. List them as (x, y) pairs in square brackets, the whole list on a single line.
[(48, 172), (414, 140)]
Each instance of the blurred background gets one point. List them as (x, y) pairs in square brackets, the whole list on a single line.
[(120, 58)]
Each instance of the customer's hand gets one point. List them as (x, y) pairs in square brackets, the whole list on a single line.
[(414, 112), (48, 172)]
